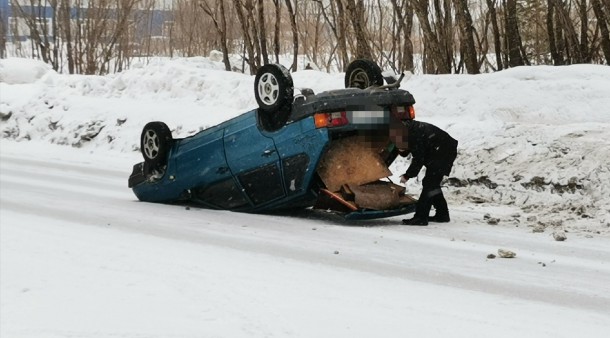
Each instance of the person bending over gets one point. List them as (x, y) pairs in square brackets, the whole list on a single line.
[(435, 149)]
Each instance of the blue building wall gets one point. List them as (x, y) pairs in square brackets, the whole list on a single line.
[(152, 26), (5, 12)]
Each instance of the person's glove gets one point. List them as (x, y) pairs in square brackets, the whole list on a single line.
[(403, 179)]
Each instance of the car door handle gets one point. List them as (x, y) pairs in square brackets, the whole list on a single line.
[(222, 170), (268, 152)]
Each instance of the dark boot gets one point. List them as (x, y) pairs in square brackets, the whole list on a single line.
[(415, 221), (442, 211), (440, 218), (422, 209), (431, 187)]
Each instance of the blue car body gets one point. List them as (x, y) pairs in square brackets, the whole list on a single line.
[(238, 165)]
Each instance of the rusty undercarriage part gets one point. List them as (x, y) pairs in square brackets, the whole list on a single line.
[(351, 171), (353, 160), (378, 195)]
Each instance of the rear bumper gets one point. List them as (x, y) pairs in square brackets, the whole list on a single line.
[(138, 175), (374, 214)]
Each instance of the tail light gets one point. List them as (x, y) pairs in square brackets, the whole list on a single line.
[(329, 120), (404, 112)]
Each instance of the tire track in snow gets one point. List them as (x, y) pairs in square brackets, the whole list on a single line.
[(86, 168), (55, 180)]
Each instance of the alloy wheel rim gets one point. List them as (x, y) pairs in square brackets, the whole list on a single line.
[(359, 79), (151, 144), (268, 89)]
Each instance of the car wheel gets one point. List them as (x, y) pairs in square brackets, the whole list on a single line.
[(155, 142), (362, 74), (272, 121), (274, 92)]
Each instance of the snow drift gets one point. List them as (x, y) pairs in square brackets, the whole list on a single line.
[(534, 137)]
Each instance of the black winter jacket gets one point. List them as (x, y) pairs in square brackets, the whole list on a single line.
[(430, 146)]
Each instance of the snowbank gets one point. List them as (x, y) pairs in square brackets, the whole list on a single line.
[(16, 70), (534, 137)]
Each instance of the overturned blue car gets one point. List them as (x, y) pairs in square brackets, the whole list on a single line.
[(326, 151)]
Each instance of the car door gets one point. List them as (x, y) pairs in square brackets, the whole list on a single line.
[(253, 160), (202, 170), (300, 146)]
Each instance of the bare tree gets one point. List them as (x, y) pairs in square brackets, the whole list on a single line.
[(573, 48), (3, 33), (64, 17), (404, 18), (466, 36), (550, 28), (512, 34), (262, 31), (431, 42), (100, 36), (33, 13), (276, 30), (355, 10), (334, 15), (255, 33), (602, 22), (584, 31), (491, 5), (217, 14), (292, 14), (239, 5), (310, 23)]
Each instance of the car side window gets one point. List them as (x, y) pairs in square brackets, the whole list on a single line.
[(262, 184), (223, 195), (295, 168)]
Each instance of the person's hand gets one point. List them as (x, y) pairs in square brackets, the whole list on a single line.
[(403, 179)]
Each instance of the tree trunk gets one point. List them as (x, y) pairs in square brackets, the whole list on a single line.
[(355, 9), (262, 31), (221, 28), (433, 46), (441, 26), (602, 21), (65, 8), (512, 33), (584, 26), (559, 37), (573, 45), (54, 45), (466, 36), (337, 26), (446, 36), (276, 32), (491, 4), (316, 40), (405, 24), (254, 31), (341, 29), (3, 33), (246, 35), (292, 14), (223, 36), (550, 28)]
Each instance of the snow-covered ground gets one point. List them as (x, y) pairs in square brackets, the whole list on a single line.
[(80, 257)]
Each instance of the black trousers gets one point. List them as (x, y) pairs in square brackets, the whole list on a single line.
[(431, 195)]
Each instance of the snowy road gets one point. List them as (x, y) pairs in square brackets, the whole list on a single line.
[(80, 257)]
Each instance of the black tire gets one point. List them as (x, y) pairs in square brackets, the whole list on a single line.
[(272, 121), (274, 92), (155, 142), (362, 74)]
